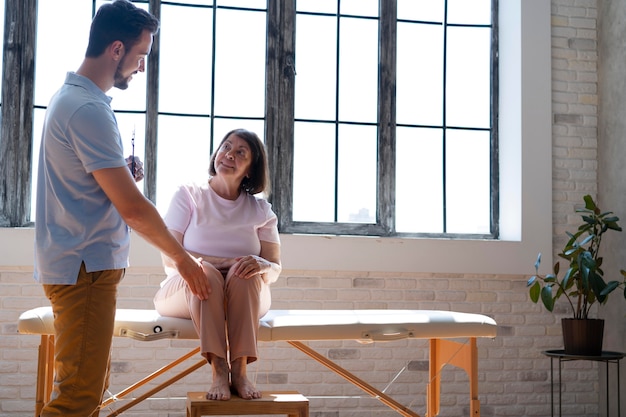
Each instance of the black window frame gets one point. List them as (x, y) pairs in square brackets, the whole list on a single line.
[(17, 116)]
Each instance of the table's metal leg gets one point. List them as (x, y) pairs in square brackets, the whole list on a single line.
[(560, 392), (551, 387), (619, 406), (608, 388)]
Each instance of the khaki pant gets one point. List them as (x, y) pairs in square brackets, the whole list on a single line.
[(84, 316), (228, 321)]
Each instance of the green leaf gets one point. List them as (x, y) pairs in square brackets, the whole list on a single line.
[(534, 292), (589, 203), (566, 279), (586, 240), (531, 281), (546, 298), (598, 285), (614, 226), (589, 220), (537, 262), (609, 288), (569, 251)]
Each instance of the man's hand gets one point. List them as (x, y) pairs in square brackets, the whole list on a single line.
[(192, 271), (136, 167)]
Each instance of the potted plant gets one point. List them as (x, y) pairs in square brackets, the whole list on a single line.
[(583, 283)]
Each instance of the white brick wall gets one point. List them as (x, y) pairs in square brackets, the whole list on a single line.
[(575, 109), (514, 375)]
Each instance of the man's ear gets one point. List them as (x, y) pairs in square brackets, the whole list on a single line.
[(117, 50)]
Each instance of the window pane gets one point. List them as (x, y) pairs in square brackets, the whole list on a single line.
[(357, 174), (468, 77), (223, 126), (317, 6), (360, 7), (419, 88), (419, 183), (197, 2), (252, 4), (467, 174), (426, 11), (316, 63), (358, 70), (475, 12), (183, 69), (69, 29), (133, 124), (240, 63), (183, 155), (314, 172)]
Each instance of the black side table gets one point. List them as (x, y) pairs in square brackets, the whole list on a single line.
[(606, 357)]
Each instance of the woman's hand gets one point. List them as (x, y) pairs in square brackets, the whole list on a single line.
[(249, 266)]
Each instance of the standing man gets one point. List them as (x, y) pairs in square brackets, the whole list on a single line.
[(86, 201)]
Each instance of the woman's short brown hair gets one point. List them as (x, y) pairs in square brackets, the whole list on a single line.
[(258, 179)]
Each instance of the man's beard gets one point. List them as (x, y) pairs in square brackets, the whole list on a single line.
[(118, 80)]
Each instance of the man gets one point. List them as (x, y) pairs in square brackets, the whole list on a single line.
[(86, 201)]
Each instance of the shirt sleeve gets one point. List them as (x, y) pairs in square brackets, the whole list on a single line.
[(179, 213), (95, 137), (268, 232)]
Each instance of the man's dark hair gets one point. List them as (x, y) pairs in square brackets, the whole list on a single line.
[(121, 21)]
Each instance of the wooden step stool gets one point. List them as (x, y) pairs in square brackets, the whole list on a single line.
[(290, 403)]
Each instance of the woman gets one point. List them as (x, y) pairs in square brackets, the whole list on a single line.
[(236, 235)]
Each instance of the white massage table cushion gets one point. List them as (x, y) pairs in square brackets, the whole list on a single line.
[(301, 325)]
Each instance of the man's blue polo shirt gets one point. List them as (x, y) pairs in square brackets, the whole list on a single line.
[(75, 221)]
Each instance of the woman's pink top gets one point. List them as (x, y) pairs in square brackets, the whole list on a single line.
[(214, 226)]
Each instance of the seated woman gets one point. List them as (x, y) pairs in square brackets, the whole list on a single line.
[(236, 235)]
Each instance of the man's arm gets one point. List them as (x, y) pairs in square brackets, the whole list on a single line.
[(140, 214)]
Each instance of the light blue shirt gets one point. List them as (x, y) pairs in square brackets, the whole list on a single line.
[(75, 221)]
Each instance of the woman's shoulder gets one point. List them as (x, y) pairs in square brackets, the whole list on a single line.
[(194, 187), (261, 204), (193, 190)]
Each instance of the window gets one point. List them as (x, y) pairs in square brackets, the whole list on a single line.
[(205, 83), (394, 116), (364, 108), (211, 80), (524, 179)]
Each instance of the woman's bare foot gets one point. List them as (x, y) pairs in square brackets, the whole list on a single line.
[(244, 388), (220, 387)]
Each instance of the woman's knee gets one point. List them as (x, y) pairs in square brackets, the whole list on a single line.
[(249, 285), (213, 274)]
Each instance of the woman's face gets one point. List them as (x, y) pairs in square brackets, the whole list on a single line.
[(233, 158)]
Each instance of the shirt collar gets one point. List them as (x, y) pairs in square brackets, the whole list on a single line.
[(75, 79)]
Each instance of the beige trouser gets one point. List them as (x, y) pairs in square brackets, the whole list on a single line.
[(228, 321), (84, 316)]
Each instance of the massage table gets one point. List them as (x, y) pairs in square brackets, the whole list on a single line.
[(296, 327)]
